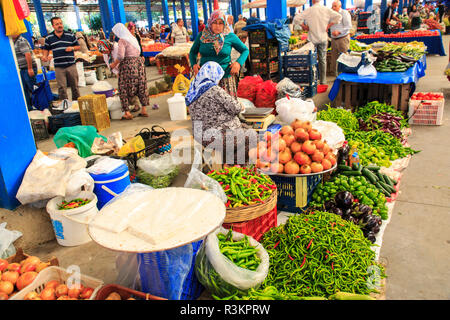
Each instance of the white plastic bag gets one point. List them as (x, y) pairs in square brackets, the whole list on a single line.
[(211, 266), (79, 181), (248, 105), (113, 103), (7, 239), (331, 133), (91, 77), (367, 71), (157, 164), (81, 77), (295, 108), (127, 270), (101, 85)]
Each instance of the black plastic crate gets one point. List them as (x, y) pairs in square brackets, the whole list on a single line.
[(302, 75), (295, 193), (310, 91), (62, 120), (40, 131), (257, 36), (301, 60)]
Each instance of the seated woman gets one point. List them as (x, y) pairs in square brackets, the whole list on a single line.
[(214, 114)]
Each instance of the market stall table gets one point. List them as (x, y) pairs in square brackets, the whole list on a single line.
[(342, 90), (434, 43)]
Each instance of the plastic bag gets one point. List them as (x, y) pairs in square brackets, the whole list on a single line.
[(81, 136), (157, 171), (294, 108), (79, 181), (81, 77), (101, 86), (134, 145), (289, 88), (266, 95), (127, 270), (7, 239), (367, 71), (13, 25), (220, 275), (248, 87), (181, 83), (47, 176), (331, 133)]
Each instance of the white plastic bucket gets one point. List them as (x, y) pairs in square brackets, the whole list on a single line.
[(177, 107), (71, 226), (116, 114)]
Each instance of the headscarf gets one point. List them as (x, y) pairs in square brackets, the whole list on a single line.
[(210, 37), (208, 76), (123, 33)]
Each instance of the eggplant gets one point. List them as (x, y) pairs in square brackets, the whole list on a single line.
[(344, 199), (337, 211), (375, 229), (365, 209), (371, 237), (330, 205)]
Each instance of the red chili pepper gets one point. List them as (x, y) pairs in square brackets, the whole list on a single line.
[(312, 230), (332, 268), (212, 171), (227, 187), (355, 200), (297, 236), (221, 183), (304, 260), (276, 244), (309, 244), (290, 257), (306, 219), (227, 204), (263, 187)]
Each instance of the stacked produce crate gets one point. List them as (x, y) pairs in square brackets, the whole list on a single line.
[(362, 22), (264, 55), (302, 69)]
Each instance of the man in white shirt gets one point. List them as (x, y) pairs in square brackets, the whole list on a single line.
[(340, 35), (318, 19)]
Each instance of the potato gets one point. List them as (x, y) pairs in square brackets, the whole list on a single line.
[(114, 296)]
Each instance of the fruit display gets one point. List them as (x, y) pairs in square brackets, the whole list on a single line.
[(154, 47), (433, 25), (428, 95), (358, 46), (15, 276), (295, 149), (55, 290), (73, 204), (408, 34), (243, 186)]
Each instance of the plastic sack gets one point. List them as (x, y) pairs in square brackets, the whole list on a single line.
[(287, 87), (113, 103), (7, 239), (127, 270), (331, 133), (134, 145), (81, 77), (157, 171), (248, 87), (90, 77), (47, 176), (367, 71), (101, 86), (81, 136), (181, 83), (294, 108), (266, 95), (220, 275), (246, 103), (13, 25), (79, 181)]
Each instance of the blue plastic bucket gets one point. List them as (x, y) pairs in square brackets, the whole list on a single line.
[(109, 185)]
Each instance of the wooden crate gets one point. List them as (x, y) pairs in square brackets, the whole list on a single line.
[(352, 94), (94, 111)]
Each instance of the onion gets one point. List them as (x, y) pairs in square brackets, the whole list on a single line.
[(6, 287)]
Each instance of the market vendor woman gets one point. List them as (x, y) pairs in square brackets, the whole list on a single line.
[(214, 43)]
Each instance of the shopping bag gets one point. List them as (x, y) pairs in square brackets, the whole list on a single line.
[(13, 25), (181, 83)]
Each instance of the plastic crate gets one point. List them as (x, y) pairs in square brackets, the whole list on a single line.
[(94, 111), (258, 52), (294, 193), (58, 274), (151, 266), (308, 75), (124, 293), (62, 120), (300, 60), (257, 36), (39, 127), (429, 112), (256, 227), (310, 91)]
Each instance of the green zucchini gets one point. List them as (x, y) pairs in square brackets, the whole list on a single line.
[(388, 180), (369, 175), (387, 187), (382, 190), (344, 167), (351, 173), (373, 167)]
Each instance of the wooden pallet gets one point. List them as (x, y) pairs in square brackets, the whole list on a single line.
[(352, 94)]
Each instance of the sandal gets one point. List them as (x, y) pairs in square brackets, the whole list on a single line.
[(127, 117)]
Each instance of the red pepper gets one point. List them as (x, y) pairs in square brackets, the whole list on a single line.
[(263, 187), (227, 187), (276, 244), (227, 204), (332, 268), (212, 171), (306, 219), (304, 260), (309, 244), (221, 183), (290, 257), (312, 230), (355, 200)]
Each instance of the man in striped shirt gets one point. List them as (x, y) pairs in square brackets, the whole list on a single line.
[(63, 44)]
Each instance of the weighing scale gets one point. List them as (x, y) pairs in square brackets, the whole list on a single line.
[(259, 118)]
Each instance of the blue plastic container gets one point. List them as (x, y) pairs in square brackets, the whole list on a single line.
[(170, 274), (109, 184)]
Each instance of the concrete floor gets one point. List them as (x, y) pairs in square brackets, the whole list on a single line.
[(416, 241)]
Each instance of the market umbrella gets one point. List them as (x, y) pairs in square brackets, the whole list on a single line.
[(263, 4)]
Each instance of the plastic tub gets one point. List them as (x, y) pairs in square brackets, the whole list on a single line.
[(109, 185), (177, 107), (71, 226)]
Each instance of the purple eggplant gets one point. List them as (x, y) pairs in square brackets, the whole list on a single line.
[(344, 199)]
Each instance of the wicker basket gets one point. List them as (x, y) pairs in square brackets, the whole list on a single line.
[(246, 213)]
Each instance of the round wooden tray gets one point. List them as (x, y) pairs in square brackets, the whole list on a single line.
[(246, 213)]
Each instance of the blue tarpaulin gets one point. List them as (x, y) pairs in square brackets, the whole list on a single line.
[(434, 43), (411, 75), (277, 28)]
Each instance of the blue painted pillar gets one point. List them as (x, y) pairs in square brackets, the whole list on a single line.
[(210, 7), (383, 6), (311, 4), (344, 4), (233, 9), (40, 17), (238, 8), (400, 7), (29, 34), (250, 10), (258, 14), (194, 17), (276, 9), (119, 11), (292, 11), (16, 136), (165, 8), (77, 13), (174, 8), (148, 6), (369, 5), (106, 15), (183, 13), (205, 10)]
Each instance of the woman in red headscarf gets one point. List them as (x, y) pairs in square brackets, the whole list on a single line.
[(214, 43), (132, 28)]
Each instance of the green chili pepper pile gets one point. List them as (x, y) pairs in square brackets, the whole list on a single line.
[(243, 186), (75, 203), (342, 117), (366, 193), (319, 254), (373, 108), (241, 253)]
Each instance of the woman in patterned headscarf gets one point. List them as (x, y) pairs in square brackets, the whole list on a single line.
[(214, 43), (214, 114)]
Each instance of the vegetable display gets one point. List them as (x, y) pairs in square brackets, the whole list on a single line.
[(373, 108), (241, 253), (157, 182), (408, 34), (319, 254), (75, 203), (428, 95), (385, 122), (243, 186), (358, 46), (55, 290), (392, 65), (347, 121)]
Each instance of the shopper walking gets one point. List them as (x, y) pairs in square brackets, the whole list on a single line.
[(27, 65), (132, 28), (63, 44), (132, 76), (215, 44), (340, 35), (317, 20)]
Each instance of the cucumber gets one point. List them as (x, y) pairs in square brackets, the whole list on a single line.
[(387, 187), (373, 167), (355, 166), (351, 173), (388, 180), (369, 175), (379, 175), (344, 167), (382, 190), (394, 182)]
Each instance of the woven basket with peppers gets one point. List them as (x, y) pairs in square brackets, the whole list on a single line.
[(250, 193)]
